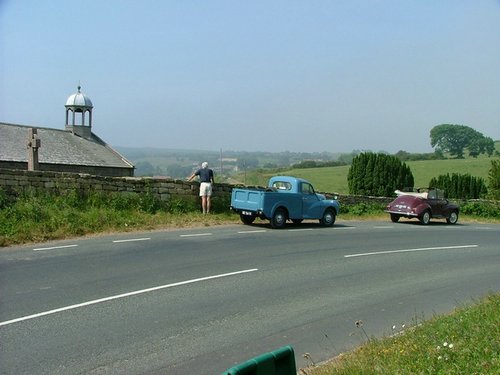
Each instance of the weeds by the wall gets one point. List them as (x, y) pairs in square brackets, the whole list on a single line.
[(37, 215), (488, 210)]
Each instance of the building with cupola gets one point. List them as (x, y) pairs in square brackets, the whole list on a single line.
[(72, 149)]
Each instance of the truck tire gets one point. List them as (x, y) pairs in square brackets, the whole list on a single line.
[(278, 221), (328, 218), (246, 219)]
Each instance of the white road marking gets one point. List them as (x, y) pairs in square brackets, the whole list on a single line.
[(411, 250), (124, 295), (252, 231), (383, 226), (54, 247), (132, 240), (195, 235), (299, 230)]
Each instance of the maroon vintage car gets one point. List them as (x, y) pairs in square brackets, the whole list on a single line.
[(422, 204)]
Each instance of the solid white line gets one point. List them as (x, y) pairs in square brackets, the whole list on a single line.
[(132, 239), (196, 235), (410, 250), (101, 300), (252, 231), (54, 247)]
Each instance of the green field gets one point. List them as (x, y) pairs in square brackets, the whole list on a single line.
[(334, 179)]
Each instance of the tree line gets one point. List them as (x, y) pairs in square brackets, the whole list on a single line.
[(381, 174)]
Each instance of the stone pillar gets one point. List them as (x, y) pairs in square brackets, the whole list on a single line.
[(33, 146)]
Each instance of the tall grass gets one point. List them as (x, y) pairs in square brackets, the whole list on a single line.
[(464, 342), (40, 216)]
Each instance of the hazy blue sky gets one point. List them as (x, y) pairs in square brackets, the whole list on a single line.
[(255, 75)]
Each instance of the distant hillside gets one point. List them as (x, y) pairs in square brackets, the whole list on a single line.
[(334, 179), (255, 168), (180, 163)]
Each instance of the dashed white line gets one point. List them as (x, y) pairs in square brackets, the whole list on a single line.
[(299, 230), (252, 231), (101, 300), (132, 240), (54, 247), (195, 235), (411, 250)]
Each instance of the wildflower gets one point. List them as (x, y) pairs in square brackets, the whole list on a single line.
[(438, 347), (440, 358), (450, 346), (394, 327), (445, 344)]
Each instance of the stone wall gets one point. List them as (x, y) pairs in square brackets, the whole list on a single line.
[(14, 182)]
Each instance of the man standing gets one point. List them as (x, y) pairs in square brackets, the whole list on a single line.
[(206, 180)]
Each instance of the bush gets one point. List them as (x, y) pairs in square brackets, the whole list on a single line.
[(3, 199), (460, 186), (488, 210), (378, 175), (494, 178)]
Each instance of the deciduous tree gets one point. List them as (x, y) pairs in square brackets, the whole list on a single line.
[(456, 138)]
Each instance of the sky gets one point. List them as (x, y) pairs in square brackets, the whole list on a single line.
[(260, 75)]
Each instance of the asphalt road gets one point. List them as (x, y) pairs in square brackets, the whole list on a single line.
[(199, 301)]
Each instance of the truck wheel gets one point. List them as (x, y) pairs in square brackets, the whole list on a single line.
[(328, 218), (426, 217), (278, 220), (453, 218), (246, 219)]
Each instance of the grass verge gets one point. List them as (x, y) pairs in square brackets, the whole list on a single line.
[(39, 216), (464, 342)]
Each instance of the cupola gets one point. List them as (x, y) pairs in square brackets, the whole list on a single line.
[(79, 105)]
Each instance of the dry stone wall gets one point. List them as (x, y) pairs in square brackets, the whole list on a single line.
[(14, 182)]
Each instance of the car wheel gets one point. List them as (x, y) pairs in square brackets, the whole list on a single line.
[(453, 218), (328, 218), (279, 219), (395, 218), (426, 217), (296, 221), (246, 219)]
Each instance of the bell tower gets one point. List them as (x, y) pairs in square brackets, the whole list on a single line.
[(79, 105)]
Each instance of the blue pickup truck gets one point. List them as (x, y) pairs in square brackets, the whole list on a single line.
[(285, 198)]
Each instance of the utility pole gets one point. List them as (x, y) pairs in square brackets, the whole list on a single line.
[(221, 163)]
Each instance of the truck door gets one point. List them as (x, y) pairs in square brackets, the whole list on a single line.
[(310, 208)]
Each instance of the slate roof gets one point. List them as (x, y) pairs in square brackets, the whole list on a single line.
[(58, 147)]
